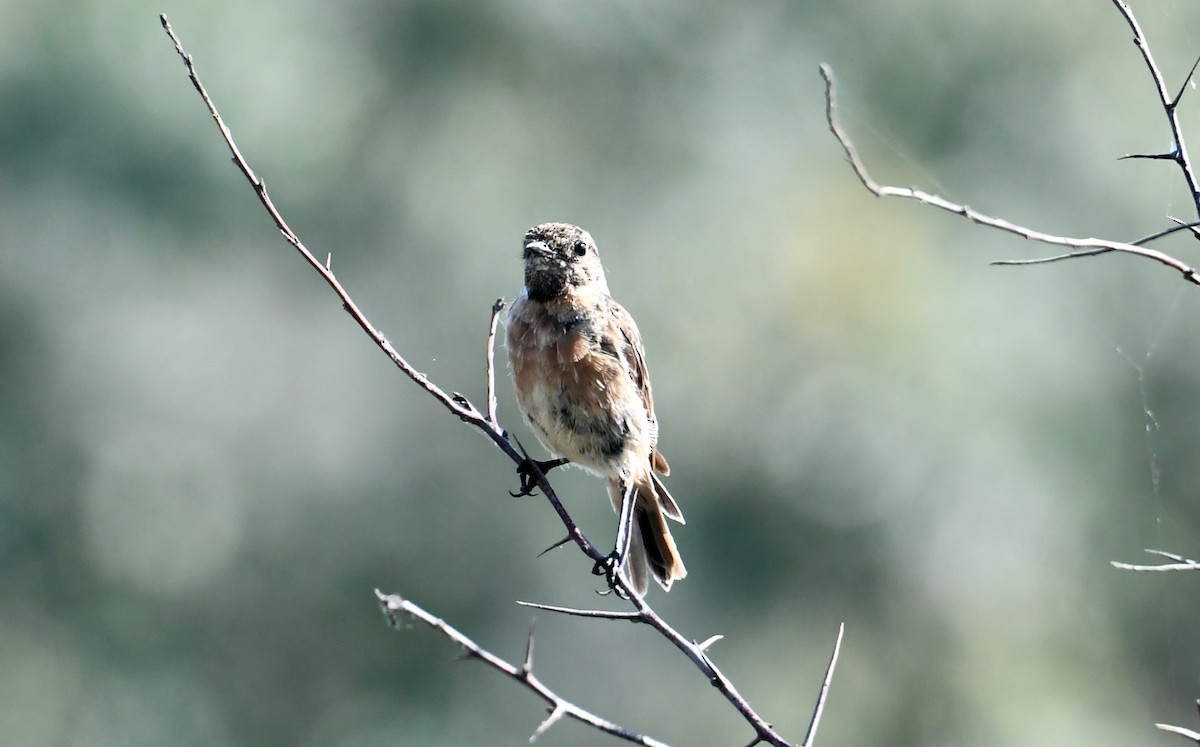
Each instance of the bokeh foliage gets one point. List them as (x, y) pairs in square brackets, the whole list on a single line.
[(205, 468)]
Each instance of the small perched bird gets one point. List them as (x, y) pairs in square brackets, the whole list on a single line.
[(580, 376)]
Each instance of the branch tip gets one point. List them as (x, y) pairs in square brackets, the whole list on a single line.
[(825, 683), (1183, 87), (1188, 733), (528, 666)]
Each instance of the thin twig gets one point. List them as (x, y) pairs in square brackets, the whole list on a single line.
[(644, 613), (816, 717), (1179, 226), (1180, 563), (1192, 735), (395, 607), (460, 408), (1170, 104), (491, 364), (763, 730), (603, 614), (1088, 247)]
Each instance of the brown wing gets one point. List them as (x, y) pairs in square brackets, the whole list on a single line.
[(632, 349)]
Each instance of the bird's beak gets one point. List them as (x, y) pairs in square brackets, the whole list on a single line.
[(538, 249)]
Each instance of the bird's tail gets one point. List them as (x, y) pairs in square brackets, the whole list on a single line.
[(652, 550)]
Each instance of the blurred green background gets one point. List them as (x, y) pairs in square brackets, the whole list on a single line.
[(205, 467)]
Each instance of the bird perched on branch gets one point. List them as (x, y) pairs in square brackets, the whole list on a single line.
[(580, 376)]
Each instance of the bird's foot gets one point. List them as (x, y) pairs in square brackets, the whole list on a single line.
[(530, 472), (610, 567)]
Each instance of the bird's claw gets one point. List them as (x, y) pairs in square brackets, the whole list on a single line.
[(528, 472), (610, 567)]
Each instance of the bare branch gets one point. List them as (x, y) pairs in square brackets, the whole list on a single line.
[(491, 364), (1192, 735), (1179, 226), (1090, 247), (460, 408), (817, 710), (600, 614), (1169, 156), (527, 667), (553, 718), (555, 546), (1169, 103), (395, 607), (1181, 563)]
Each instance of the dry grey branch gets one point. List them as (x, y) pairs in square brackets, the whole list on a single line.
[(490, 362), (1089, 247), (602, 614), (1192, 735), (1170, 104), (825, 683), (462, 408), (1079, 247), (396, 607), (1180, 563), (1181, 731)]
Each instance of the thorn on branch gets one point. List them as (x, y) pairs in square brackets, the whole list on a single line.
[(555, 546), (1169, 103), (1171, 155), (1190, 226), (557, 713), (1175, 101), (1082, 247), (1179, 226)]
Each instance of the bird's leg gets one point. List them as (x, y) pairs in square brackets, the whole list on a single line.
[(531, 471), (611, 565)]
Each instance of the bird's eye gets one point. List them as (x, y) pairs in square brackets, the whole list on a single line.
[(580, 248)]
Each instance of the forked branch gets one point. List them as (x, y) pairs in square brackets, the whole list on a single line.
[(1170, 104), (1089, 247), (396, 607)]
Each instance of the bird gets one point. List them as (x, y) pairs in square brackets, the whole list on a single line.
[(579, 372)]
